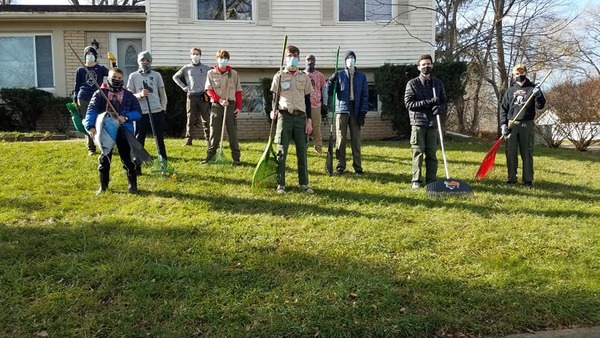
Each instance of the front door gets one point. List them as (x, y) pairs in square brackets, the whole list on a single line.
[(127, 47)]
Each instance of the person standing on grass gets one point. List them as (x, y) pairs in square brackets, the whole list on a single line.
[(225, 91), (318, 99), (424, 97), (352, 104), (149, 88), (128, 111), (85, 87), (191, 78), (293, 115), (520, 136)]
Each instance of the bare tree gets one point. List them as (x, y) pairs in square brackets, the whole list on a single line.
[(5, 2)]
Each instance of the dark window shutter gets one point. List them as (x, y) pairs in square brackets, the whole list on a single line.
[(328, 12), (403, 9), (186, 11)]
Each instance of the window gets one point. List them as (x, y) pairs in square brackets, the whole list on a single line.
[(224, 10), (373, 99), (252, 98), (365, 10), (26, 61)]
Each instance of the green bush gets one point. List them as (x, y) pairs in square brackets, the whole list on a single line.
[(25, 105), (176, 112), (390, 81)]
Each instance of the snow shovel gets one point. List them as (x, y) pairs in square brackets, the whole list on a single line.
[(267, 164), (448, 186), (220, 158), (76, 118), (329, 158), (161, 166)]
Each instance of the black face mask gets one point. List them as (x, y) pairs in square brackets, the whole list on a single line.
[(115, 85), (426, 70), (521, 78), (310, 67)]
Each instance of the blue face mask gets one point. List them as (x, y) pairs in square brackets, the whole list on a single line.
[(291, 61), (350, 62), (222, 62)]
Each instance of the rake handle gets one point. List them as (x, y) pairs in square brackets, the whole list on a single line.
[(439, 123)]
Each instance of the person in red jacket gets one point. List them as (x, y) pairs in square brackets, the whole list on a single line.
[(225, 91)]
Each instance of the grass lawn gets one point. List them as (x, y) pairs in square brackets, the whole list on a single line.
[(365, 256)]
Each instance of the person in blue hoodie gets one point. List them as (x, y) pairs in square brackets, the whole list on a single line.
[(127, 110), (352, 103), (85, 86)]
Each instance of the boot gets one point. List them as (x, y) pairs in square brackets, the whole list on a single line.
[(132, 179), (104, 178)]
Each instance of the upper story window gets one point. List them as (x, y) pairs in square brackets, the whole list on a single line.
[(365, 10), (225, 10), (35, 70)]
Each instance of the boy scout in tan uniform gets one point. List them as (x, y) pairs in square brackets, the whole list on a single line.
[(225, 91), (293, 117)]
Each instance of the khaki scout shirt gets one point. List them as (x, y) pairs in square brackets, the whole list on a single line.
[(293, 89), (224, 85)]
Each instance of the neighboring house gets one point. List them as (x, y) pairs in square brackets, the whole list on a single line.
[(379, 31), (34, 42), (549, 123)]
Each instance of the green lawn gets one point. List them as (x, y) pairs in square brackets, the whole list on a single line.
[(365, 256)]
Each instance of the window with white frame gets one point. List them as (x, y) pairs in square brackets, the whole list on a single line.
[(252, 98), (240, 10), (26, 61), (365, 10)]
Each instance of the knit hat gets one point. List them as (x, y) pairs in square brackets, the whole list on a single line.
[(145, 55), (348, 53), (90, 49)]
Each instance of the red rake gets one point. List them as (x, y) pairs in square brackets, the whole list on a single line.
[(488, 161)]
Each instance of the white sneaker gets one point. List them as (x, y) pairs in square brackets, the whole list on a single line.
[(306, 189), (416, 185), (281, 189)]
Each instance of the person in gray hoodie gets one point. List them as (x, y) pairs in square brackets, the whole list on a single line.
[(191, 78)]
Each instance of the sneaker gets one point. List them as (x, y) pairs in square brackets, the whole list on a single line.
[(205, 161), (281, 189), (339, 171), (138, 171), (91, 152), (416, 185), (236, 163), (187, 144), (306, 189), (359, 172), (528, 184), (511, 182)]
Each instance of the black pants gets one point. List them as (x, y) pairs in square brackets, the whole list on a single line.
[(124, 154), (143, 125)]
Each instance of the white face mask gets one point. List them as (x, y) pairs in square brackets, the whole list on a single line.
[(350, 62), (90, 58), (196, 58), (222, 62)]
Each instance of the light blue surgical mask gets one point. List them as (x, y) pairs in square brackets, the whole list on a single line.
[(291, 61), (222, 62), (350, 62), (90, 58)]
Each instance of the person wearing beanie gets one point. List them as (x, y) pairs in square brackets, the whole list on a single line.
[(192, 78), (424, 97), (352, 103), (291, 108), (148, 87), (318, 99), (85, 87)]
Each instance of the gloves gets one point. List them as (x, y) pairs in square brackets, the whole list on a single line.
[(537, 92), (361, 121), (436, 110), (504, 129), (433, 101)]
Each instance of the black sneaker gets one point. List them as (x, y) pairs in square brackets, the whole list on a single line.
[(528, 184)]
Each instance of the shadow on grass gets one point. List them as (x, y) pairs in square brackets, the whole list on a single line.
[(123, 278)]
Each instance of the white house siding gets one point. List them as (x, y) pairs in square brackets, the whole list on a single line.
[(255, 47)]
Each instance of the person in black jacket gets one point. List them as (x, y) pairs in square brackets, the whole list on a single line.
[(519, 129), (424, 97)]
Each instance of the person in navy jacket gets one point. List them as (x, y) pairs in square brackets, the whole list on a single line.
[(128, 110)]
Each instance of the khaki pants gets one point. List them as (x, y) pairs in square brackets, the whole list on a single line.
[(520, 140), (216, 123), (423, 142), (316, 125), (198, 111)]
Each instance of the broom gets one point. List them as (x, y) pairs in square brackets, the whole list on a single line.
[(267, 164), (489, 161), (329, 158)]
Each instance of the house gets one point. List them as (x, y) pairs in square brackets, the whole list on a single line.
[(378, 31), (550, 124)]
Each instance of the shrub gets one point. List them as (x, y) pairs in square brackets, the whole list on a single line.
[(25, 106), (176, 116)]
